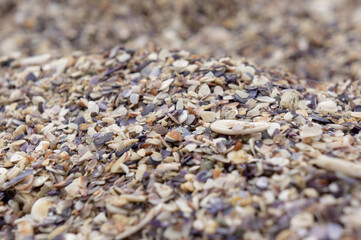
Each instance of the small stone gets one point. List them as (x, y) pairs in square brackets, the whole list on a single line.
[(148, 109), (57, 81), (190, 119), (273, 128), (83, 102), (93, 107), (208, 116), (179, 64), (327, 106), (20, 129), (174, 136), (204, 90), (237, 157), (183, 117), (16, 158), (124, 57), (311, 193), (260, 80), (179, 105), (289, 100), (165, 84), (30, 77), (164, 191), (103, 139), (218, 91), (134, 98), (288, 116), (262, 183), (302, 220), (314, 131), (160, 129)]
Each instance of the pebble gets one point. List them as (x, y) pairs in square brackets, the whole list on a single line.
[(30, 77), (190, 119), (237, 157), (302, 220), (327, 106), (208, 116), (93, 107), (179, 64), (174, 136), (183, 116), (288, 116), (273, 127), (124, 57), (314, 131), (218, 91), (260, 80), (262, 183), (289, 100), (103, 139), (16, 158), (204, 90), (165, 84), (134, 98), (164, 191), (179, 105)]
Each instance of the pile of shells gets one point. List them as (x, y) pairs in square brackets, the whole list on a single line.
[(316, 39), (171, 145)]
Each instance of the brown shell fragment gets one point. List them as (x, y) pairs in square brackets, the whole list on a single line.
[(174, 136)]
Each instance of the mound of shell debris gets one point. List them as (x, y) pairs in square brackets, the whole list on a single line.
[(169, 145)]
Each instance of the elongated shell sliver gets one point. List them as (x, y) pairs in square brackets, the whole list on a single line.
[(235, 127)]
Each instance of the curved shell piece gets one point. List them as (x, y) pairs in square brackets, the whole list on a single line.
[(40, 209), (235, 127)]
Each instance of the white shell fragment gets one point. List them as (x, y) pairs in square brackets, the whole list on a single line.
[(337, 165), (180, 63), (235, 127), (41, 207), (166, 84), (314, 131), (327, 106)]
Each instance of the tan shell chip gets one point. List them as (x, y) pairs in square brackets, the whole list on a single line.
[(235, 127), (339, 165)]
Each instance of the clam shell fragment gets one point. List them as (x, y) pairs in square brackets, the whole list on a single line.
[(235, 127), (40, 209)]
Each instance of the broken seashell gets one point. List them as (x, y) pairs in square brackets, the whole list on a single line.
[(237, 157), (234, 127), (163, 190), (41, 207), (327, 106), (314, 131), (338, 165)]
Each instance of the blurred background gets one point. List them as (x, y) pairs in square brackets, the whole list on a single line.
[(316, 39)]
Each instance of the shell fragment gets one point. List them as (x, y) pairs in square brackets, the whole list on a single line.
[(234, 127)]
